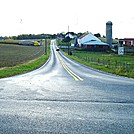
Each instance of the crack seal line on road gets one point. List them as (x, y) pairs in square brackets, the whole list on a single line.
[(75, 76)]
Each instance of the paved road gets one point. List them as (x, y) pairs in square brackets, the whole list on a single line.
[(64, 96)]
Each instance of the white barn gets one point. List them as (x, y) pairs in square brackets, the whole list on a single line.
[(91, 42)]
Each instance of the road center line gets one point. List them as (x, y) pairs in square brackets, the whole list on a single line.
[(75, 76)]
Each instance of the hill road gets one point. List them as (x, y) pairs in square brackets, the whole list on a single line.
[(66, 97)]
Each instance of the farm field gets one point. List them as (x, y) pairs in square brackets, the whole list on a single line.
[(18, 59), (12, 55)]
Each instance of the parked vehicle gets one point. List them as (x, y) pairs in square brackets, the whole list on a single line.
[(29, 43)]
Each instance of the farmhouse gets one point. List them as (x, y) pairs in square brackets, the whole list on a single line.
[(92, 43)]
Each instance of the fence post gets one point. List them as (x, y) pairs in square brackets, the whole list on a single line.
[(98, 60), (87, 58), (116, 64), (103, 61), (108, 62), (127, 65)]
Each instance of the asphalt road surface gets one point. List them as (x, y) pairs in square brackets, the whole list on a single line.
[(65, 97)]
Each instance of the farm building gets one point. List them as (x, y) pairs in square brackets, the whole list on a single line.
[(127, 41), (92, 43)]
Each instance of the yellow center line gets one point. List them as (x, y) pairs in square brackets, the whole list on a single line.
[(70, 72), (75, 76), (78, 77)]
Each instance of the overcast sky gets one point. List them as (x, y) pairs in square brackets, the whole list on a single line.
[(54, 16)]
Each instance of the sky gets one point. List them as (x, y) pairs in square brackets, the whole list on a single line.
[(54, 16)]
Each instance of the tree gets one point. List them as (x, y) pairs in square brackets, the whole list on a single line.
[(97, 35), (67, 39)]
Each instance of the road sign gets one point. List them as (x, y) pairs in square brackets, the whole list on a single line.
[(120, 50)]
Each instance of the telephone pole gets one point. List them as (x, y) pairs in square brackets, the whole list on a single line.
[(45, 46), (68, 41)]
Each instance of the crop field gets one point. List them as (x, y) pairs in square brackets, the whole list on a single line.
[(11, 54)]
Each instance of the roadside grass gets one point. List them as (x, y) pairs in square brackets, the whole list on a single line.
[(21, 59), (107, 62), (23, 68)]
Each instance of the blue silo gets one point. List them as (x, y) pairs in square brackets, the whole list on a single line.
[(109, 33)]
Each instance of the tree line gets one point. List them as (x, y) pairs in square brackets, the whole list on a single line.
[(41, 36), (30, 36)]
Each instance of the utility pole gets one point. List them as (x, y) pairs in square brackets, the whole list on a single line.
[(45, 46), (68, 41)]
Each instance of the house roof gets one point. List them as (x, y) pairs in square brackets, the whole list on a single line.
[(125, 39), (83, 35), (70, 35), (91, 39), (95, 43)]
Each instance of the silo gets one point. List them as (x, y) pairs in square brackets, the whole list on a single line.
[(109, 33)]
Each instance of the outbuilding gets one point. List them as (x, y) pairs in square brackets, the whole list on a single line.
[(127, 41)]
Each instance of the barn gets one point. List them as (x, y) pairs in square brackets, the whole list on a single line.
[(92, 43)]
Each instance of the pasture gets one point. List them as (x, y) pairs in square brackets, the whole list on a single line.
[(108, 62)]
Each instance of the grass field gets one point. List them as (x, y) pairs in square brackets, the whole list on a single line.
[(11, 55), (106, 56), (108, 62)]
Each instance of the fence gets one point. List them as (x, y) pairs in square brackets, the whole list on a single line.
[(109, 63)]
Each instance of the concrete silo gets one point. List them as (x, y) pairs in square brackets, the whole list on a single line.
[(109, 33)]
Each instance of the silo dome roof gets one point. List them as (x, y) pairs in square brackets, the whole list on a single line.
[(109, 23)]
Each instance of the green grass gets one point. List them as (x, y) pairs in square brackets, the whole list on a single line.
[(107, 56), (21, 59), (23, 68), (115, 67)]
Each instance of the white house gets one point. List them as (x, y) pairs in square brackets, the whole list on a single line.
[(70, 36)]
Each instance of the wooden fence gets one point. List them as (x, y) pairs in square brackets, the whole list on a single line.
[(109, 63)]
